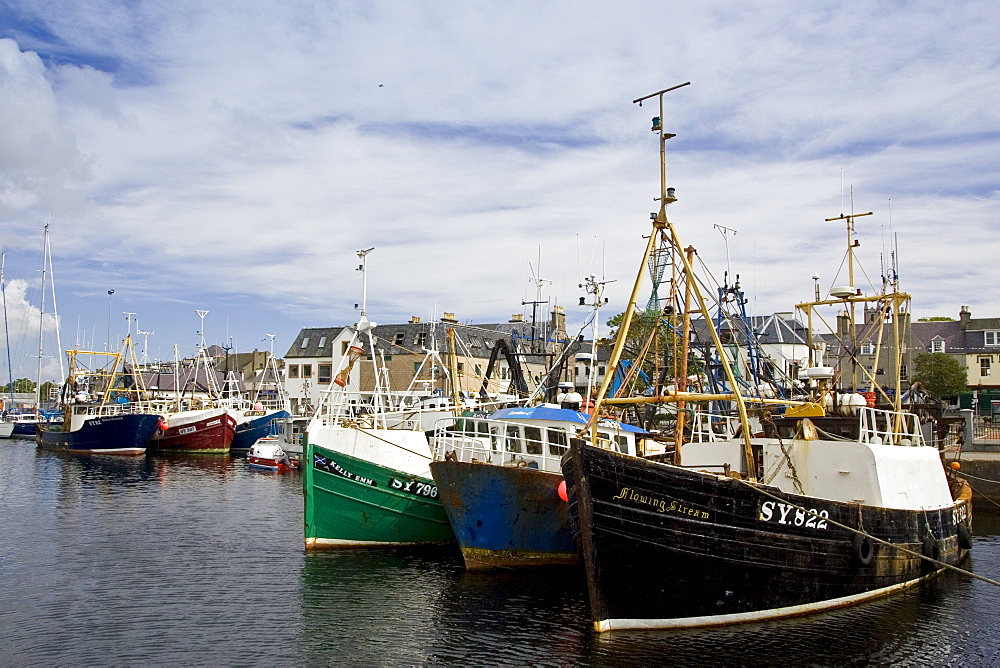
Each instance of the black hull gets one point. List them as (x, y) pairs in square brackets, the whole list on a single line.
[(662, 544)]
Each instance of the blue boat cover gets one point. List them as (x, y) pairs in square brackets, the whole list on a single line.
[(563, 414)]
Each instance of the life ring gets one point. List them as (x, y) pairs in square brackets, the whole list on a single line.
[(863, 549), (964, 537), (931, 550)]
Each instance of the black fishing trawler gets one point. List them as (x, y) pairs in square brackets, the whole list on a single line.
[(768, 508)]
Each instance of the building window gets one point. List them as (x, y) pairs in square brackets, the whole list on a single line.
[(421, 339), (416, 366), (904, 373), (474, 341), (325, 373), (937, 346), (992, 338), (868, 349), (305, 342), (984, 366), (293, 370), (461, 367), (307, 370), (601, 370), (322, 341), (344, 346), (400, 339)]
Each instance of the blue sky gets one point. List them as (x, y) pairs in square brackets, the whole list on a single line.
[(233, 156)]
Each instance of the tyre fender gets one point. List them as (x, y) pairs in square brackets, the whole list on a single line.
[(862, 549)]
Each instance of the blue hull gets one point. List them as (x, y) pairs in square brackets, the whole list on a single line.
[(114, 434), (247, 433), (505, 516), (24, 429)]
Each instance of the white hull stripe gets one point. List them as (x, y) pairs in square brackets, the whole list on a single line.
[(757, 615)]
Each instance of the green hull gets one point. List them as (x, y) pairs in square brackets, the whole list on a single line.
[(351, 502)]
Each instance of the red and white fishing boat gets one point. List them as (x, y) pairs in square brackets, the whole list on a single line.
[(267, 454)]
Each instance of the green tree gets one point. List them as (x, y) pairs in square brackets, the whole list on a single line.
[(940, 374), (21, 386)]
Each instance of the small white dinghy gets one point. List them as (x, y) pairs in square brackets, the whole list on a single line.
[(267, 454)]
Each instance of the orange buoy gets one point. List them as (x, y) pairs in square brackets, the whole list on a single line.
[(562, 491), (956, 465)]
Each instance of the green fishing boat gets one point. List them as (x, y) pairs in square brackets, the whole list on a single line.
[(366, 460), (352, 501)]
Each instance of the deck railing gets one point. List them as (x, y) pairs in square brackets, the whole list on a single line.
[(502, 443), (889, 427)]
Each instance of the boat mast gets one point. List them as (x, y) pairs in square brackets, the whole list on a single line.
[(659, 224), (41, 323), (6, 331), (663, 227), (852, 316)]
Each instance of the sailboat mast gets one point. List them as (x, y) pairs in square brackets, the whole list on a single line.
[(41, 323), (55, 310), (6, 331)]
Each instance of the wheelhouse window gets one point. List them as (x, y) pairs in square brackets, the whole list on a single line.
[(513, 439), (557, 442), (533, 440)]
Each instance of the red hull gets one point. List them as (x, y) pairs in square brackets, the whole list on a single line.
[(211, 435)]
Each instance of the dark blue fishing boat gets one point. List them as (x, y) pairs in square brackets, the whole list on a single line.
[(105, 407), (501, 486)]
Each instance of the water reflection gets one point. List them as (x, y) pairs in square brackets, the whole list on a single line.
[(186, 559)]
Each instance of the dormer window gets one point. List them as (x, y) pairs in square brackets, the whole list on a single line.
[(400, 338), (868, 349), (992, 338), (937, 345)]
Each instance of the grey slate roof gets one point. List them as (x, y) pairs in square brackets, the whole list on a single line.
[(402, 339)]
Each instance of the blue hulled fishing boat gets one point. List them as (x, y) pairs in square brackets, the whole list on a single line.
[(500, 482), (105, 406)]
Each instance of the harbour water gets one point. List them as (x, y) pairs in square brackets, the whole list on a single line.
[(199, 560)]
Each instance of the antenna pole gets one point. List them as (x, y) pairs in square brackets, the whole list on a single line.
[(201, 330), (363, 254)]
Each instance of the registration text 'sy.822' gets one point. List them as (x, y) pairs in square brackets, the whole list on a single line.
[(783, 513)]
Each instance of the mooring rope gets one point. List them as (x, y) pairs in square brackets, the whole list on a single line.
[(868, 535), (980, 493), (969, 475)]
